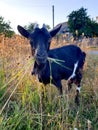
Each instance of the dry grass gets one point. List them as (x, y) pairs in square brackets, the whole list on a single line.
[(23, 105)]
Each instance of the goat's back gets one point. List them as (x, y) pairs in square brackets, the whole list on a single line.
[(71, 52), (68, 55)]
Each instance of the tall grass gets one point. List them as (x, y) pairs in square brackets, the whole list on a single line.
[(26, 104)]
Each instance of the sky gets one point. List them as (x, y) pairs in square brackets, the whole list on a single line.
[(23, 12)]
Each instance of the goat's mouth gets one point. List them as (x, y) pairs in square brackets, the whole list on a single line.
[(41, 60)]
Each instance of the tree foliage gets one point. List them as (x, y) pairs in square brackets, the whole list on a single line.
[(5, 28), (81, 24), (30, 27)]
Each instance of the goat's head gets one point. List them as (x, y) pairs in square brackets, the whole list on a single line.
[(40, 40)]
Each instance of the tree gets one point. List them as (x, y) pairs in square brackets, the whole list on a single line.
[(48, 27), (30, 27), (5, 28), (94, 26), (79, 23)]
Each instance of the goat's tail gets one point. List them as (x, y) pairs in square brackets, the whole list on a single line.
[(84, 55), (82, 60)]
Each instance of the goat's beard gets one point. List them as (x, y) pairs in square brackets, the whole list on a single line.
[(41, 66), (38, 67)]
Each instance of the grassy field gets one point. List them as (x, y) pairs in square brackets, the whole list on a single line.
[(23, 105)]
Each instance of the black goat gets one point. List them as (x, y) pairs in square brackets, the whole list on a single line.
[(66, 62)]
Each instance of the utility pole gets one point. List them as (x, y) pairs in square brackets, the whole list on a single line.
[(53, 15)]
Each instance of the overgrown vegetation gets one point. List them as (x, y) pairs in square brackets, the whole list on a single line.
[(80, 24), (30, 26), (5, 28), (25, 104)]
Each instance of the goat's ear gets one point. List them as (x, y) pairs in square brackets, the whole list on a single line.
[(55, 30), (22, 31)]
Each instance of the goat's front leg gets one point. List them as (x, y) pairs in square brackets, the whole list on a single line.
[(59, 86), (60, 89)]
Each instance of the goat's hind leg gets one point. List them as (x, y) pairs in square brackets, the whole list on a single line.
[(77, 81), (77, 96)]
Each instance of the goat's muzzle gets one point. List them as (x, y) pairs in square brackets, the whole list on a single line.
[(41, 59)]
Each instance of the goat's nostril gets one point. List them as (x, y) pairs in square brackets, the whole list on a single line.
[(41, 58), (41, 55)]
